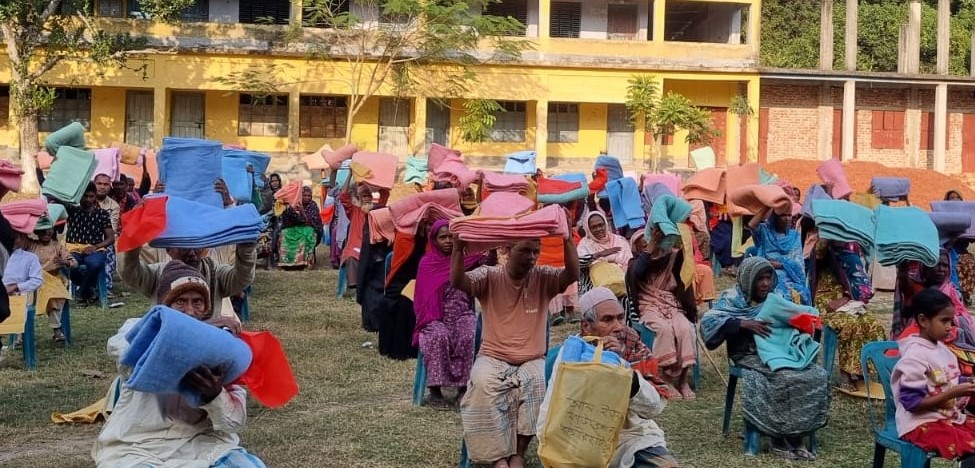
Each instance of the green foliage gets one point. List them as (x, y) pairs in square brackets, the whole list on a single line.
[(478, 120), (642, 95), (739, 106), (258, 80)]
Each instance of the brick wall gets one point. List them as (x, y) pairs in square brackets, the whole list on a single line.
[(793, 121)]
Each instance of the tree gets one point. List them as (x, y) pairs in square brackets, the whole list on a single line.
[(410, 47), (664, 115), (478, 120), (41, 34)]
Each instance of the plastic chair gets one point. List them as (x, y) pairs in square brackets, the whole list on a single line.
[(343, 282), (245, 305), (101, 284), (885, 437), (30, 339), (830, 342), (647, 336)]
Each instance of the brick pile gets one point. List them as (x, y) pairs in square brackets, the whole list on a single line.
[(926, 185)]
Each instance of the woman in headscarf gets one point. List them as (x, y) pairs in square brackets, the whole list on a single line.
[(841, 281), (600, 245), (271, 186), (777, 242), (301, 228), (445, 319), (667, 307), (786, 404)]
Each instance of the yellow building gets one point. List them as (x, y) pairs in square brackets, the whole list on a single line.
[(563, 98)]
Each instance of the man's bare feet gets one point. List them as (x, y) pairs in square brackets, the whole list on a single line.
[(687, 393), (516, 462)]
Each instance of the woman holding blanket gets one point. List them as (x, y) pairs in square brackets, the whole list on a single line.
[(148, 429), (785, 404), (301, 229), (445, 319), (782, 247)]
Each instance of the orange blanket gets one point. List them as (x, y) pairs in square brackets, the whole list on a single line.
[(740, 176), (707, 185), (755, 198)]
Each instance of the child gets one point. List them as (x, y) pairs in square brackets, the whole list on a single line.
[(22, 275), (53, 257), (929, 395)]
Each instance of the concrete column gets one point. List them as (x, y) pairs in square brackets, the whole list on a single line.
[(754, 101), (971, 56), (944, 35), (754, 29), (824, 144), (659, 14), (160, 116), (418, 126), (541, 134), (913, 53), (297, 11), (901, 48), (849, 120), (544, 18), (294, 121), (643, 23), (850, 41), (912, 128), (826, 36), (940, 125)]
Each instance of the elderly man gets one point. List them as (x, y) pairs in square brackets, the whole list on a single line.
[(641, 443), (500, 409)]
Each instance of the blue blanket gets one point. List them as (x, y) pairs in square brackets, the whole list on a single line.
[(238, 180), (184, 229), (416, 171), (575, 349), (786, 347), (667, 211), (843, 221), (815, 192), (906, 234), (614, 170), (562, 198), (624, 200), (950, 225), (891, 187), (957, 206), (189, 167), (259, 161), (521, 162), (166, 344), (654, 191)]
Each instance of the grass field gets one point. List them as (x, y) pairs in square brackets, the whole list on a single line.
[(354, 408)]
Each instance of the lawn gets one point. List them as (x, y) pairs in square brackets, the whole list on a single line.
[(354, 409)]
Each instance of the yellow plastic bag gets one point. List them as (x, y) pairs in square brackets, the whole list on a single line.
[(586, 412), (608, 275)]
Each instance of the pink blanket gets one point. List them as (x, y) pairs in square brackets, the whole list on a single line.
[(497, 183), (831, 171), (440, 154), (485, 233), (504, 205), (382, 165), (755, 198), (107, 160), (671, 181), (708, 185), (10, 175), (447, 165), (334, 159), (409, 212), (290, 193), (381, 227), (740, 176), (24, 214)]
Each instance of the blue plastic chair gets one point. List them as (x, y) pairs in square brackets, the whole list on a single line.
[(647, 336), (343, 282), (30, 339), (885, 436), (245, 305), (830, 341), (101, 284)]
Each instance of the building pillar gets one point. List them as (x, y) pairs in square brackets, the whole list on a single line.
[(944, 35), (544, 18), (824, 144), (541, 134), (294, 122), (755, 103), (940, 125), (659, 15), (912, 128), (850, 41), (754, 27), (912, 58), (418, 130), (826, 36), (643, 23), (160, 115), (297, 12), (849, 120)]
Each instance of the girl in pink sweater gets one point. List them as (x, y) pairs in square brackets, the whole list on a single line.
[(927, 385)]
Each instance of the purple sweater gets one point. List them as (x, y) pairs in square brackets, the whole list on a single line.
[(925, 368)]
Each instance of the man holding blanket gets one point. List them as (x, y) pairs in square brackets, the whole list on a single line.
[(500, 409)]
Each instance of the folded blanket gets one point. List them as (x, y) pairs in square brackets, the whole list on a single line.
[(906, 233), (671, 181), (563, 188), (599, 180), (786, 347), (707, 185), (495, 182), (575, 349), (189, 167), (703, 158), (259, 161), (315, 161), (10, 175), (70, 174), (381, 226), (654, 191), (416, 171), (843, 221), (129, 154), (166, 344), (237, 225), (504, 205), (624, 200), (289, 193), (831, 171), (106, 160), (339, 156), (950, 225), (382, 167), (767, 178), (740, 176), (23, 215), (44, 160), (410, 211), (958, 206), (755, 198), (666, 213), (72, 135), (614, 170), (486, 233), (56, 216), (440, 154), (890, 188), (521, 162), (239, 182), (269, 377), (815, 192)]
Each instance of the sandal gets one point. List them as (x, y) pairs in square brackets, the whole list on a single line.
[(783, 453), (802, 454)]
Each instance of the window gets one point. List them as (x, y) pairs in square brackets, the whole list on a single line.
[(517, 9), (265, 11), (566, 19), (510, 124), (4, 106), (110, 8), (888, 130), (322, 116), (927, 132), (563, 122), (263, 115), (70, 105)]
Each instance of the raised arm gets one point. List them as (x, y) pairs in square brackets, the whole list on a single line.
[(232, 279), (570, 274), (758, 218), (458, 274)]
